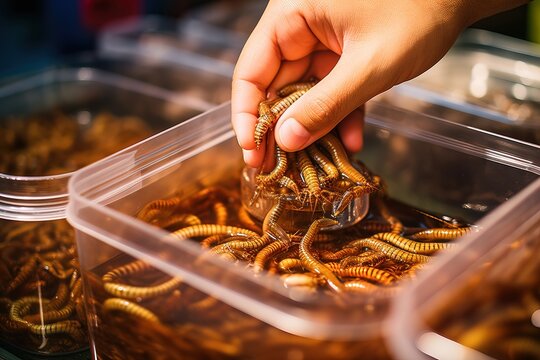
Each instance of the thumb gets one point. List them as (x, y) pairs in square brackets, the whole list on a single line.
[(319, 110)]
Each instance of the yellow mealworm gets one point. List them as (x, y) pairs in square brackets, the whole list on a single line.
[(141, 292), (211, 229), (115, 304), (441, 233), (269, 250), (128, 269), (247, 221), (290, 264), (426, 248), (310, 262), (276, 173), (331, 171), (69, 327), (389, 250), (309, 173), (370, 258), (290, 88), (369, 273), (221, 213)]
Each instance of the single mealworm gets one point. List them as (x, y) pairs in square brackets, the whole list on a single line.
[(331, 171), (211, 229), (389, 250), (279, 170), (290, 88), (442, 233), (116, 304), (310, 262), (426, 248)]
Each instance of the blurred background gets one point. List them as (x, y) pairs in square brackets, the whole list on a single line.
[(36, 33)]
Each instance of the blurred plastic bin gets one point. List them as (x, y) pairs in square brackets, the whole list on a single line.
[(483, 302), (174, 42), (236, 314), (51, 124), (492, 79)]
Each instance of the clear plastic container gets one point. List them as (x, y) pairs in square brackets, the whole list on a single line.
[(223, 310), (168, 41), (50, 125), (480, 303), (492, 80)]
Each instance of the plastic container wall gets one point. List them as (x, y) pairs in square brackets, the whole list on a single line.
[(213, 308), (482, 303), (492, 80), (51, 125)]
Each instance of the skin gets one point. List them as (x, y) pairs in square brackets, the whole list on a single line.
[(358, 48)]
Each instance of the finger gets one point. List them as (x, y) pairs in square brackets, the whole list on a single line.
[(351, 130), (326, 104), (290, 71), (256, 68)]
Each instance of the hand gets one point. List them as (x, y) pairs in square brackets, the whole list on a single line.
[(358, 48)]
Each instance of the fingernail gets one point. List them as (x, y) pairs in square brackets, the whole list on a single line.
[(293, 135)]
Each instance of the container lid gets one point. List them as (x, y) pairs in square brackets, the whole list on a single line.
[(94, 189)]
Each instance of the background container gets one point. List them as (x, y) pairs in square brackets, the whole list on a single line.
[(483, 302), (60, 115), (203, 46), (221, 310), (493, 80)]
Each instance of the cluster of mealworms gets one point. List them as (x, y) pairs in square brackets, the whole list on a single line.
[(41, 304), (55, 143), (497, 310)]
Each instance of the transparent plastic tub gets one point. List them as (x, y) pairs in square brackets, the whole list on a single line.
[(492, 80), (223, 310), (175, 42), (480, 303), (51, 124)]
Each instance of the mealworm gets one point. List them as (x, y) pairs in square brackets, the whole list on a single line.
[(116, 304), (279, 169), (221, 213), (330, 170), (269, 250), (246, 220), (389, 250), (128, 269), (69, 327), (24, 273), (289, 183), (141, 292), (341, 160), (149, 211), (59, 299), (52, 315), (216, 240), (349, 195), (310, 280), (326, 255), (310, 262), (441, 233), (211, 229), (368, 273), (249, 243), (426, 248), (309, 173), (290, 88), (289, 264), (179, 220), (370, 258)]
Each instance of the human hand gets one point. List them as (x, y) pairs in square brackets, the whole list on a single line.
[(358, 49)]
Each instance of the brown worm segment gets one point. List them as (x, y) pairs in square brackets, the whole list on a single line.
[(24, 273), (59, 299), (269, 250), (289, 183), (76, 290), (268, 119), (128, 269), (290, 264), (22, 306), (279, 170), (310, 262), (221, 213), (367, 272), (122, 305), (374, 226), (360, 286), (214, 240), (370, 258), (309, 173), (141, 292), (250, 243), (52, 315), (69, 327), (326, 255), (156, 206), (390, 251), (289, 89), (425, 248), (442, 233), (211, 229), (340, 159), (351, 194), (331, 171)]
